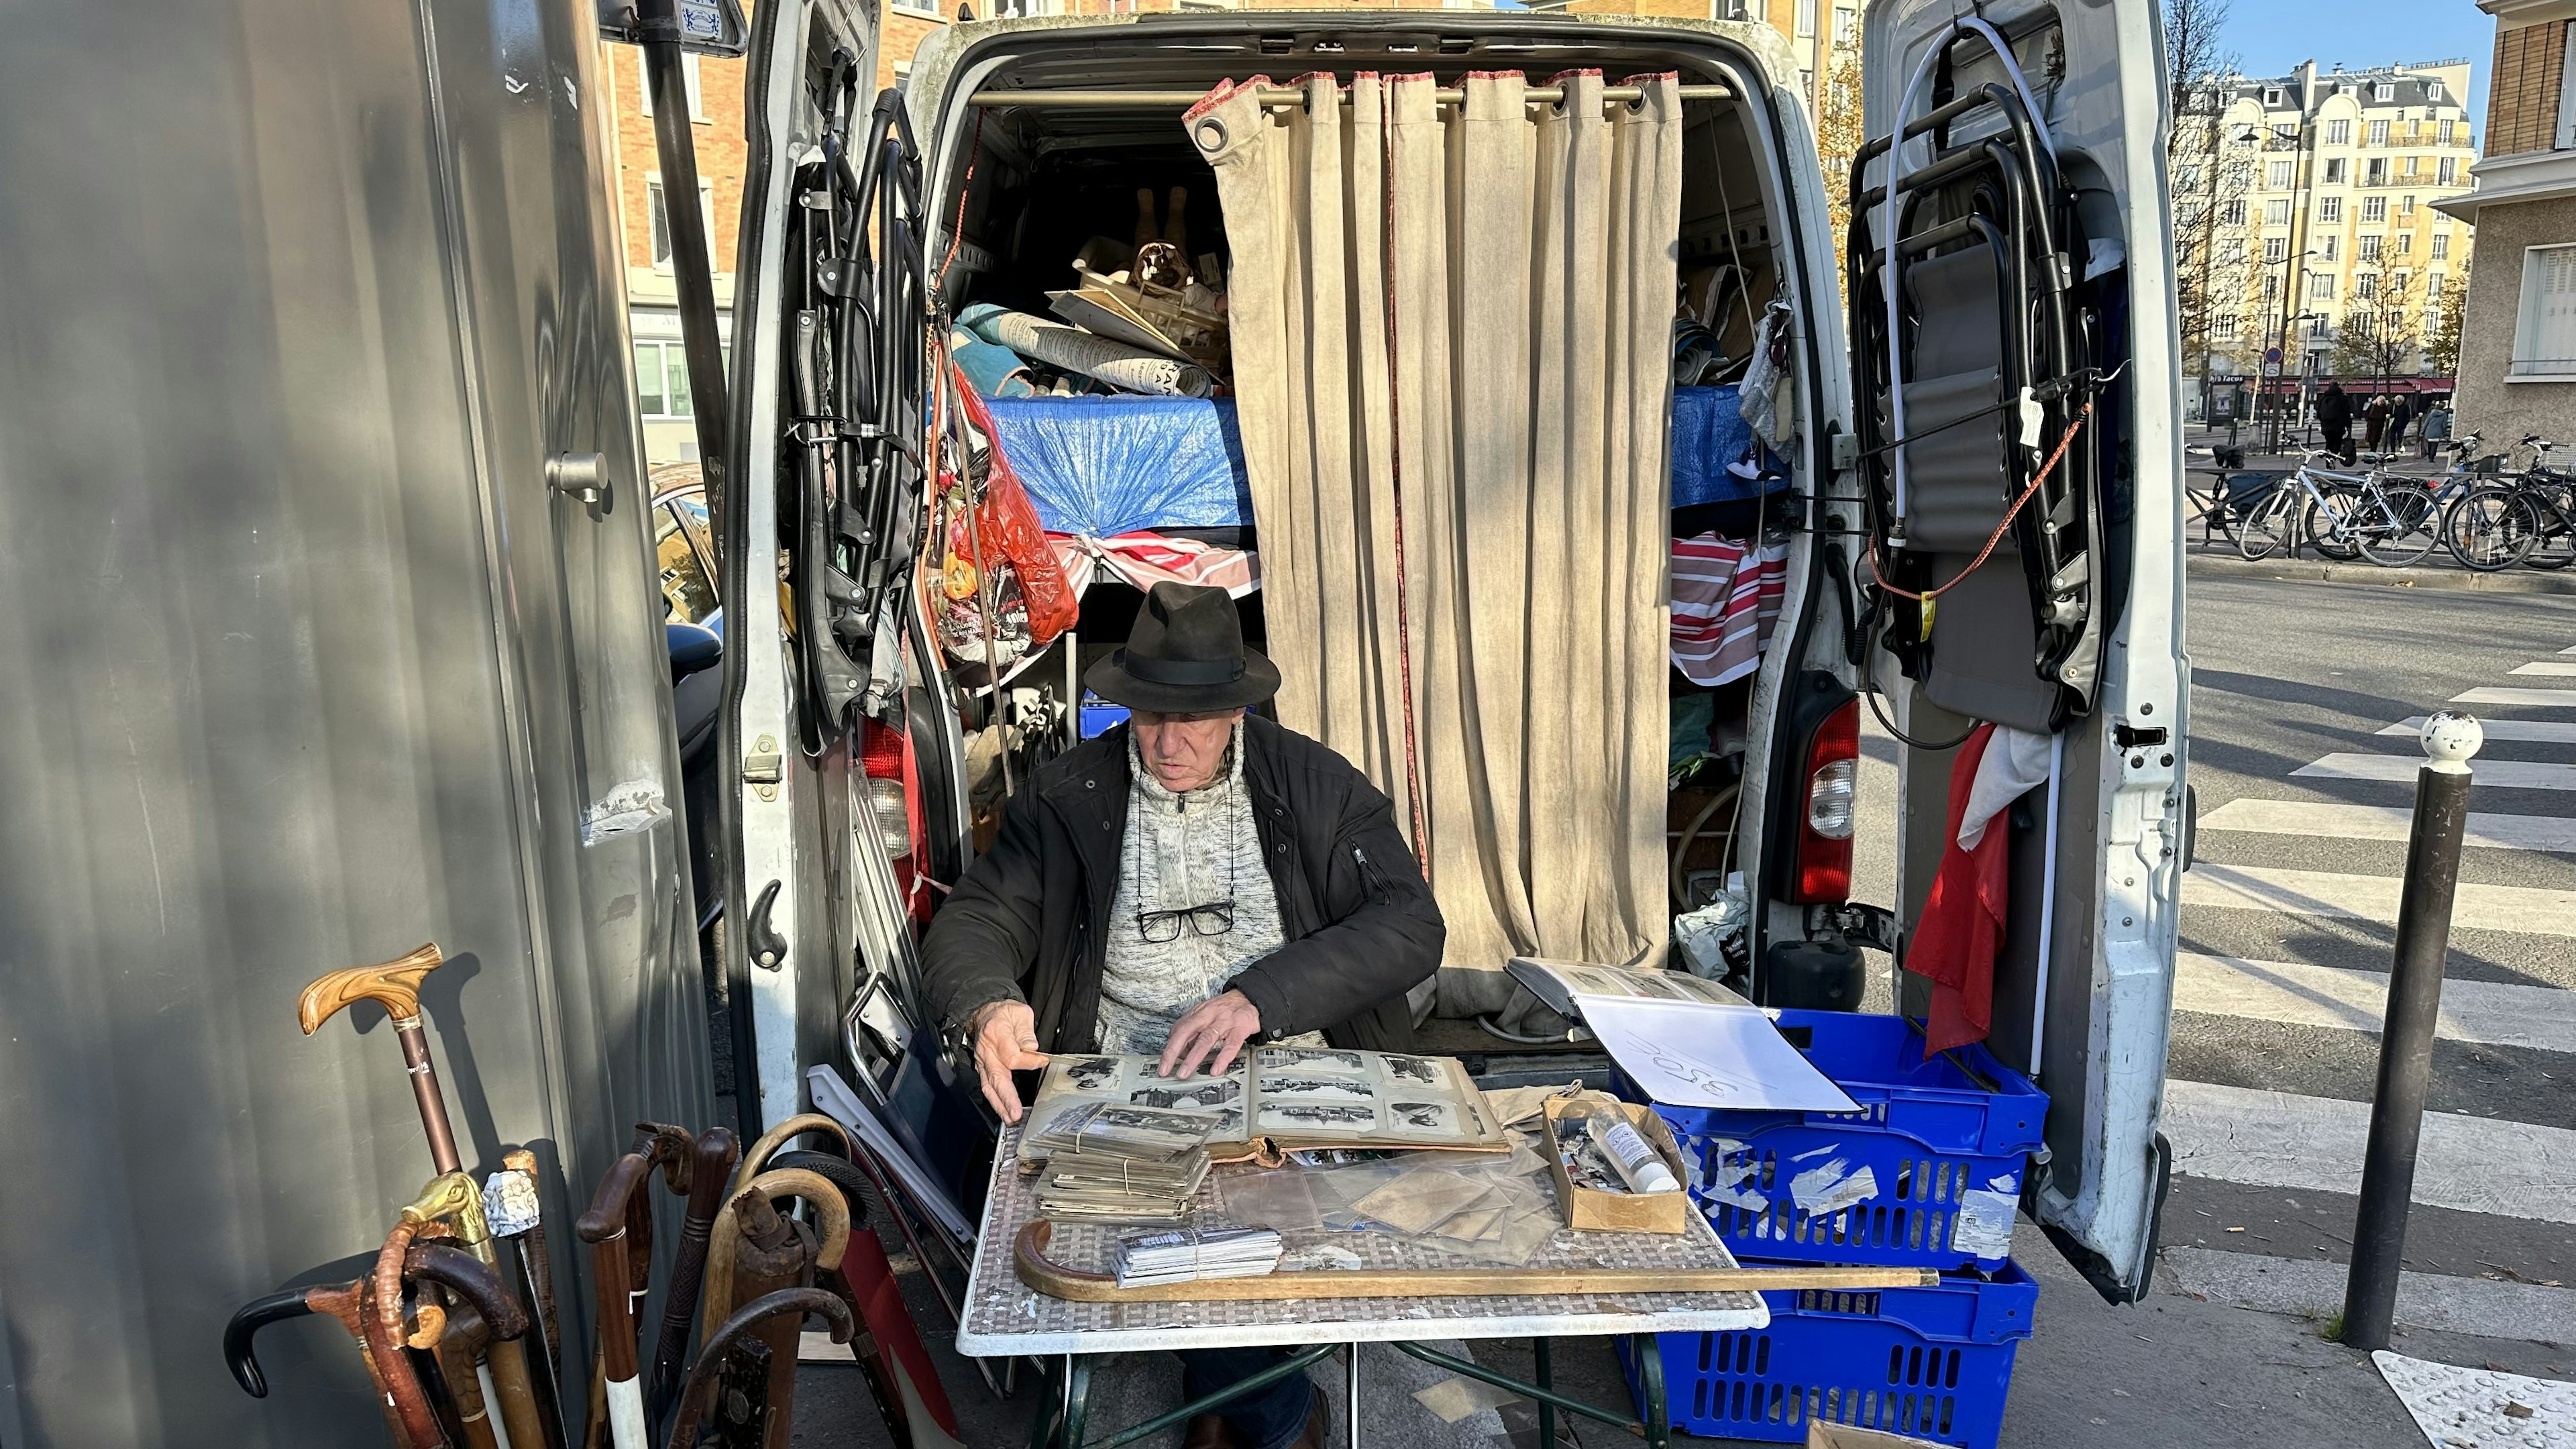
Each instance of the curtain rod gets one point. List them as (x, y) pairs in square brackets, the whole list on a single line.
[(1289, 97)]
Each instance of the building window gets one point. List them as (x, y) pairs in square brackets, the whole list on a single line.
[(2374, 208), (2334, 173), (2231, 252), (2332, 250), (2330, 208), (2375, 172), (2271, 287), (2433, 92), (2406, 206), (2441, 247), (2276, 213), (1806, 18), (2383, 92), (2187, 180), (661, 220), (2544, 336), (2450, 172), (2274, 97), (2276, 248), (2369, 249), (2233, 213), (2566, 136), (2321, 287), (926, 8), (2281, 176), (2378, 130), (2447, 127), (2405, 243), (1846, 25), (688, 77), (661, 380), (2224, 329), (2338, 133), (2365, 287)]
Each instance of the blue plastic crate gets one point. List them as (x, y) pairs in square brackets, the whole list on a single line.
[(1934, 1362), (1099, 716), (1927, 1174)]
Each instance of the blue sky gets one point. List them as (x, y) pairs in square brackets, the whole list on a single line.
[(2274, 35)]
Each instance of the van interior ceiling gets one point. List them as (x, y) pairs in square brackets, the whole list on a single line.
[(1045, 184)]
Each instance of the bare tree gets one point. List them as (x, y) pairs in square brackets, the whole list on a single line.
[(2378, 335), (2193, 55), (2442, 340), (2210, 165)]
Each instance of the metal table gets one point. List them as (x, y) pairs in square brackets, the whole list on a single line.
[(1003, 1318)]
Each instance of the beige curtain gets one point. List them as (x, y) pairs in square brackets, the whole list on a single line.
[(1451, 343)]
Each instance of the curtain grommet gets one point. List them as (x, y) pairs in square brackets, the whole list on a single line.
[(1209, 133)]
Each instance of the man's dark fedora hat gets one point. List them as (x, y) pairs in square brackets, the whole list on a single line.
[(1185, 656)]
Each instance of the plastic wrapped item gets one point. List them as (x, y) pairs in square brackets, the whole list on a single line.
[(1120, 364), (1712, 937), (1716, 458), (1485, 1209), (1103, 466), (1007, 530)]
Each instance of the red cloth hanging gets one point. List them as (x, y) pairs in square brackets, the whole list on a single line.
[(1954, 943)]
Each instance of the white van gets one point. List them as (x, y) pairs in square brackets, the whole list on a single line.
[(2033, 319)]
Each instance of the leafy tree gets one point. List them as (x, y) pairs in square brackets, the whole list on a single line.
[(1839, 137), (2442, 343)]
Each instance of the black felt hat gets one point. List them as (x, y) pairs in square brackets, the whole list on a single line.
[(1185, 656)]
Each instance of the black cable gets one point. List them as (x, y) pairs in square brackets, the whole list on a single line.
[(1908, 740)]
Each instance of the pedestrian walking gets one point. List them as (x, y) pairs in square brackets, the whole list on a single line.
[(2334, 418), (2437, 427), (2374, 422), (2400, 413)]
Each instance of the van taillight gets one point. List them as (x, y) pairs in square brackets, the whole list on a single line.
[(886, 756), (1833, 784)]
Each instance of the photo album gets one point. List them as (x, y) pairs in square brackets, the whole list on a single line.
[(1297, 1098)]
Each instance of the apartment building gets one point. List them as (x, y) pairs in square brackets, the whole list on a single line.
[(2308, 217), (2518, 338), (653, 302)]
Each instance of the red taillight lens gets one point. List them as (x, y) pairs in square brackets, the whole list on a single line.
[(1833, 788), (893, 796)]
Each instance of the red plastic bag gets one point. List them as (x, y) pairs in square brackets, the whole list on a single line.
[(1006, 523)]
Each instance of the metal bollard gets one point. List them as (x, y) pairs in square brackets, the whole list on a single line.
[(2406, 1035)]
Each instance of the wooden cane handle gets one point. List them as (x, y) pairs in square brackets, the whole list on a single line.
[(757, 1159), (831, 1210), (1056, 1280), (394, 985)]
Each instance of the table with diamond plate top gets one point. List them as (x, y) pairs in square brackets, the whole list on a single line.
[(1004, 1318)]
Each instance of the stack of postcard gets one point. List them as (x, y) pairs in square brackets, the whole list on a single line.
[(1293, 1097), (1113, 1163), (1186, 1255)]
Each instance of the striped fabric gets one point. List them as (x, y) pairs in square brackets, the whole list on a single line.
[(1146, 559), (1726, 596)]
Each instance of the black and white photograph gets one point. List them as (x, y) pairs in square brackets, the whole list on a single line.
[(1315, 1116), (1311, 1059), (1089, 1074), (1217, 1093), (1345, 1089), (1419, 1116)]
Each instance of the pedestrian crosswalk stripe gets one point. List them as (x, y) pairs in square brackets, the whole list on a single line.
[(2525, 731), (2328, 820), (2495, 774), (2560, 667), (2510, 694), (2489, 1013), (2279, 1139), (2527, 909)]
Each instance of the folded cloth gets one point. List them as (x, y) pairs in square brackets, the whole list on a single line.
[(1726, 597), (1143, 560), (1953, 945)]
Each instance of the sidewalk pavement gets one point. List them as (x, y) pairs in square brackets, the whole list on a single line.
[(2180, 1368)]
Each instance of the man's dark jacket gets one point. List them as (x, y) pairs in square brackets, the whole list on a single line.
[(1029, 920)]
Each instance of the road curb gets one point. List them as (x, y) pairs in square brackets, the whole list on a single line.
[(2510, 581)]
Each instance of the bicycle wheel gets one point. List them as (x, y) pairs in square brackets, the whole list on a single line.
[(2554, 545), (2399, 526), (2334, 529), (2491, 528), (2264, 525)]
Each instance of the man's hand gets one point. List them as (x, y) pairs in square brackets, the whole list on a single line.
[(1006, 1041), (1217, 1027)]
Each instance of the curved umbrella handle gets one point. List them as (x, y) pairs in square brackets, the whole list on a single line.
[(461, 1273), (246, 1323), (711, 1354)]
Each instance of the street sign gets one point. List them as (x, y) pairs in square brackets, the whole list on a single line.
[(2272, 366)]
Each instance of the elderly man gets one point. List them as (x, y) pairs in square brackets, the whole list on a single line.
[(1180, 886)]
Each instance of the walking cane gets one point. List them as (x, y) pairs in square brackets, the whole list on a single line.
[(345, 1304), (395, 985), (619, 1229), (731, 1332), (453, 1198), (754, 1252), (710, 1163), (385, 1341), (514, 1210)]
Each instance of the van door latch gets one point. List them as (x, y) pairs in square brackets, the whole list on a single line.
[(761, 768), (2130, 737), (582, 477), (768, 948)]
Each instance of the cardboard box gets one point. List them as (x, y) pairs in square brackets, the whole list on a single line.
[(1591, 1210), (1821, 1435)]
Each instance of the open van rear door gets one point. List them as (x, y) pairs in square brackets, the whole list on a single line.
[(2010, 271)]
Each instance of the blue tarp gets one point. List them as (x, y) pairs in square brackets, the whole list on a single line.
[(1109, 465), (1708, 434)]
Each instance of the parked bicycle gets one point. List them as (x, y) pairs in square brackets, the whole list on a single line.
[(2388, 520), (2518, 518)]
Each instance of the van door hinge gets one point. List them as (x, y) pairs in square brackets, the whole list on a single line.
[(761, 768)]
